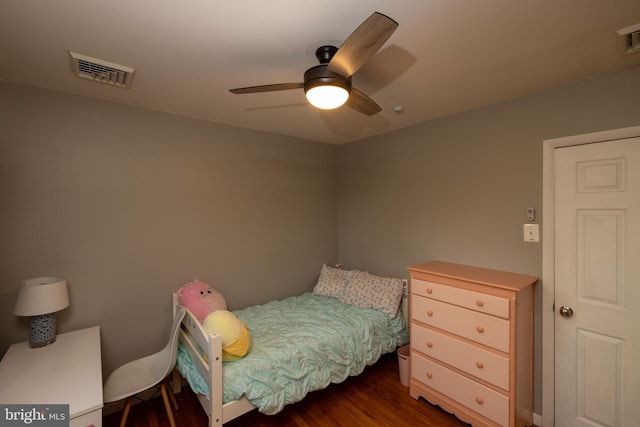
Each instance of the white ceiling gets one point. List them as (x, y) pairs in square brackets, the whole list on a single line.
[(446, 56)]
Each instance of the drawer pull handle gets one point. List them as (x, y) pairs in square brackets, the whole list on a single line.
[(429, 290), (429, 375), (429, 313), (479, 400), (429, 344), (480, 303), (480, 329), (479, 364)]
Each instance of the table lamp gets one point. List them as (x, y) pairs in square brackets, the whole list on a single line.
[(41, 298)]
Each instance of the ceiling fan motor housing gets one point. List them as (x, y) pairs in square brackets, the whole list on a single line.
[(320, 76)]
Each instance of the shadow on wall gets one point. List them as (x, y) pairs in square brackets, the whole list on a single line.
[(14, 328)]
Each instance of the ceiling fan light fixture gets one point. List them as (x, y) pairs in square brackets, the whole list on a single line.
[(325, 89), (327, 97), (328, 85)]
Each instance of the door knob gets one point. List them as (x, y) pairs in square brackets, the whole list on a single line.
[(566, 311)]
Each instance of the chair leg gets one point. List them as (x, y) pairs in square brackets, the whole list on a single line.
[(171, 393), (177, 378), (167, 405), (125, 413)]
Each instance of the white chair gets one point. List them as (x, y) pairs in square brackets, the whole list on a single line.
[(142, 374)]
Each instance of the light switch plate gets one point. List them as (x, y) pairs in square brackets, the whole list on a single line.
[(531, 233)]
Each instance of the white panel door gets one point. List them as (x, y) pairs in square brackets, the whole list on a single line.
[(597, 284)]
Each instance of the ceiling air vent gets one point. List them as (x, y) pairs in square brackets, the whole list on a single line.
[(101, 71), (631, 38)]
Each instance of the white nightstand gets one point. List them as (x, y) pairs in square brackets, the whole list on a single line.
[(68, 371)]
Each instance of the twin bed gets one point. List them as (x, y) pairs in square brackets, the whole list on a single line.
[(299, 344)]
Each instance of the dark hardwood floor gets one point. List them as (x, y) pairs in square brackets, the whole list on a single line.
[(374, 398)]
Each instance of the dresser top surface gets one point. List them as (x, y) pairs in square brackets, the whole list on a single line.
[(467, 273), (69, 371)]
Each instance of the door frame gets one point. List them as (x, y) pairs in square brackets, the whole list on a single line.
[(548, 254)]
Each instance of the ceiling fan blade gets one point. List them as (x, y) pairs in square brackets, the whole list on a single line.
[(362, 44), (267, 88), (362, 103)]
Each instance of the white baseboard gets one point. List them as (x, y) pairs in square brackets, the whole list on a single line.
[(537, 420)]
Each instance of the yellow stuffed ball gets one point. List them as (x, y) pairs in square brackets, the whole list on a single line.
[(236, 340), (225, 323)]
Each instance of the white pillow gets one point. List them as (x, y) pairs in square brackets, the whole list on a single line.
[(331, 282), (370, 291)]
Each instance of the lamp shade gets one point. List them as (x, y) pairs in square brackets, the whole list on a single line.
[(41, 295)]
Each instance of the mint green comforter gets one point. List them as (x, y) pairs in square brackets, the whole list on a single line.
[(303, 343)]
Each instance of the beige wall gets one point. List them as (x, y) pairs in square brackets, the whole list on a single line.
[(129, 204), (457, 189)]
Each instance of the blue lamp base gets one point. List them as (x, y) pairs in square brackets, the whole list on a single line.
[(42, 330)]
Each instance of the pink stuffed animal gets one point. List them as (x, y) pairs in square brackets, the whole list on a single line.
[(201, 299)]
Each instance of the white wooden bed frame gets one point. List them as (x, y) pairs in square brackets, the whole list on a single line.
[(193, 335)]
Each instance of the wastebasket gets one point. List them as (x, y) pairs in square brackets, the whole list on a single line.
[(404, 359)]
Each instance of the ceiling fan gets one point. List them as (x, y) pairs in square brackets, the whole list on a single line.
[(328, 85)]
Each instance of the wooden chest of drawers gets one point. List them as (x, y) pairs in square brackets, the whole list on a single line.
[(472, 342)]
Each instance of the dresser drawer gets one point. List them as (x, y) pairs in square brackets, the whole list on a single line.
[(482, 328), (481, 399), (477, 301), (476, 361)]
